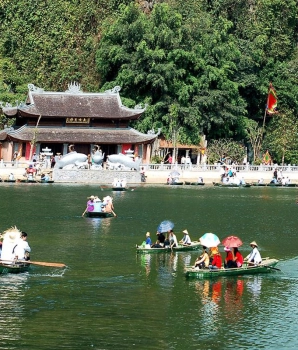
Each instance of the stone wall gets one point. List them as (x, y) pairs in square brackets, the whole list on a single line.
[(95, 176)]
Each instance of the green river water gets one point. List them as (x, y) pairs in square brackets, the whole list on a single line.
[(109, 297)]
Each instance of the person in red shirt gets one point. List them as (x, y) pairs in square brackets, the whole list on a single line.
[(216, 259), (229, 258), (238, 258)]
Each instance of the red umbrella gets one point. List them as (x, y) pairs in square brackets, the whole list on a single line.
[(232, 242)]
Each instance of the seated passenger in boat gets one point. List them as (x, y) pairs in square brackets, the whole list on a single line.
[(237, 258), (11, 177), (160, 240), (44, 177), (169, 180), (273, 181), (22, 248), (108, 204), (30, 177), (173, 239), (200, 180), (114, 184), (203, 260), (229, 257), (242, 181), (216, 262), (254, 257), (123, 183), (148, 240), (261, 181), (186, 239)]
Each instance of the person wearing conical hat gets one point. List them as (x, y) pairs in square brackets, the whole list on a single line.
[(216, 262), (186, 239), (254, 257)]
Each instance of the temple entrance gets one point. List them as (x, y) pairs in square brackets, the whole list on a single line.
[(108, 150)]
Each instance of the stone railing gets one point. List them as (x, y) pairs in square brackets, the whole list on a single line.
[(213, 168)]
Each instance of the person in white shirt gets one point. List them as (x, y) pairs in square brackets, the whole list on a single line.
[(173, 239), (186, 239), (254, 257), (22, 248)]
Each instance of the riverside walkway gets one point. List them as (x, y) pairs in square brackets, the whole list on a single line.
[(158, 173)]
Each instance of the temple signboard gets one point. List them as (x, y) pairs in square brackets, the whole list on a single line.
[(77, 120)]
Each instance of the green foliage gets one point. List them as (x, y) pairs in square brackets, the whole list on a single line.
[(188, 64), (210, 60), (228, 148), (282, 138)]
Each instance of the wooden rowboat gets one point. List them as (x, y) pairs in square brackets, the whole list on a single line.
[(13, 267), (180, 248), (98, 214), (7, 180), (220, 184), (259, 184), (119, 188), (175, 183), (194, 183), (267, 265)]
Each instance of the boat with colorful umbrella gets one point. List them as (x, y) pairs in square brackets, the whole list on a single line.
[(267, 265), (180, 248)]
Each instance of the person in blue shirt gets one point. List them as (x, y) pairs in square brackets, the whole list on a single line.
[(148, 239)]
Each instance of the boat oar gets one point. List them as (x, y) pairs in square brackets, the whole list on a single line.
[(113, 213), (84, 212), (41, 263), (271, 267)]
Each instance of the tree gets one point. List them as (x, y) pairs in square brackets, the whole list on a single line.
[(165, 61), (254, 134), (282, 137), (232, 150)]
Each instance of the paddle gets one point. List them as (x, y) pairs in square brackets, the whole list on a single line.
[(41, 263), (84, 212), (272, 268), (113, 213)]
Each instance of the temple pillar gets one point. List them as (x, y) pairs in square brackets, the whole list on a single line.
[(65, 149)]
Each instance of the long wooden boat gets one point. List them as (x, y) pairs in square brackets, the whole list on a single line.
[(220, 184), (180, 248), (175, 183), (98, 214), (7, 180), (194, 183), (274, 185), (13, 267), (259, 184), (267, 265), (119, 188), (46, 182)]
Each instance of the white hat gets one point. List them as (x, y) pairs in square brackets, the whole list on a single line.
[(185, 231), (147, 234)]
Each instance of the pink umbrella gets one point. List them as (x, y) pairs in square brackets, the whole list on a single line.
[(232, 242)]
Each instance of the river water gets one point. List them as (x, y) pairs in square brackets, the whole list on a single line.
[(109, 297)]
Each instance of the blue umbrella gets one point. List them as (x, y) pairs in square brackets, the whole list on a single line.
[(165, 226), (209, 240)]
